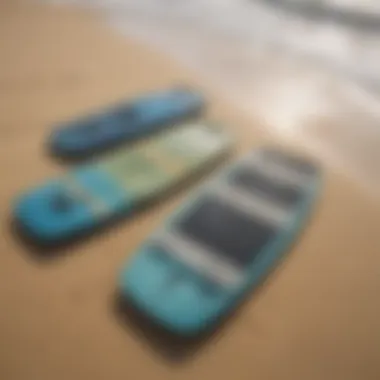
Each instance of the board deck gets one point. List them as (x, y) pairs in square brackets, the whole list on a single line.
[(94, 193), (125, 122), (222, 242)]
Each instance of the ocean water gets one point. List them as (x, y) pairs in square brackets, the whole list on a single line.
[(308, 69)]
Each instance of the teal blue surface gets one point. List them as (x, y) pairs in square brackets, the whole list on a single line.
[(103, 187), (183, 307), (35, 214), (180, 307), (99, 198)]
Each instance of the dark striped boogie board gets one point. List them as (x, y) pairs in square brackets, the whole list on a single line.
[(222, 242)]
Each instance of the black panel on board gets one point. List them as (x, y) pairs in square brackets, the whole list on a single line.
[(298, 164), (227, 231), (257, 183)]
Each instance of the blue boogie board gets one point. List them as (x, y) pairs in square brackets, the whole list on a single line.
[(124, 122), (222, 243), (93, 194)]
